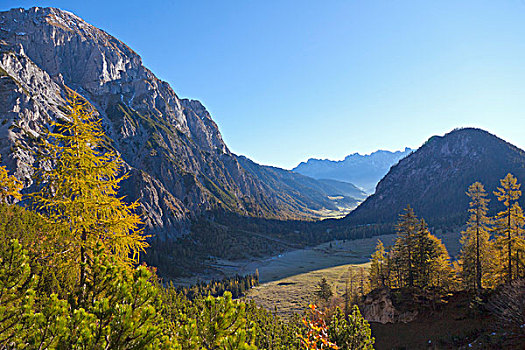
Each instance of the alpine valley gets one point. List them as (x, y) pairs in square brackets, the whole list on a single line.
[(194, 194), (127, 223)]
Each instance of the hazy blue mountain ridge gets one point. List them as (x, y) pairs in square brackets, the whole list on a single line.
[(364, 171)]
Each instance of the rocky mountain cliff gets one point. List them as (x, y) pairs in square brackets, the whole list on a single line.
[(434, 179), (179, 165), (364, 171)]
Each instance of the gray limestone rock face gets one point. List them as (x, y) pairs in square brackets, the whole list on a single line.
[(178, 163)]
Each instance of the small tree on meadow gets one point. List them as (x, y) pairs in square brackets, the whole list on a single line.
[(324, 291)]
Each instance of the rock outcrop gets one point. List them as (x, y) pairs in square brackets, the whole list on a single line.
[(378, 307)]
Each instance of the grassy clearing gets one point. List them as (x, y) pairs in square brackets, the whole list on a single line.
[(323, 256), (295, 262), (293, 294), (289, 280)]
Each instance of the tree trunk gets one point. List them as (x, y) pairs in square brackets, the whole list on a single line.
[(478, 261), (83, 263), (510, 245)]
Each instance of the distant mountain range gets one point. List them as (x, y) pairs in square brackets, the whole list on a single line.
[(319, 195), (434, 179), (364, 171)]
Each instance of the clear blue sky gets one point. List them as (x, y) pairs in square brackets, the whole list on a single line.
[(289, 80)]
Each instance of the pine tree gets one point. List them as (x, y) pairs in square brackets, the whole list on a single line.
[(219, 323), (120, 309), (476, 251), (324, 291), (418, 258), (347, 297), (396, 266), (518, 227), (351, 290), (441, 273), (350, 332), (80, 192), (392, 280), (425, 253), (16, 292), (509, 222), (363, 279)]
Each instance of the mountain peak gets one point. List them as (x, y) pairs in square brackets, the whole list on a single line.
[(52, 15), (19, 17), (433, 179)]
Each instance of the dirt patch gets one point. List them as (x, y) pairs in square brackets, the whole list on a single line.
[(454, 325)]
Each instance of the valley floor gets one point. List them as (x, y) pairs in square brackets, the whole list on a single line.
[(293, 294), (300, 261), (323, 256), (294, 262)]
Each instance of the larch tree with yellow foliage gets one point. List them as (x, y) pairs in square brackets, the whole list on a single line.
[(418, 258), (10, 186), (441, 273), (509, 224), (476, 248), (406, 245), (79, 193), (378, 267)]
